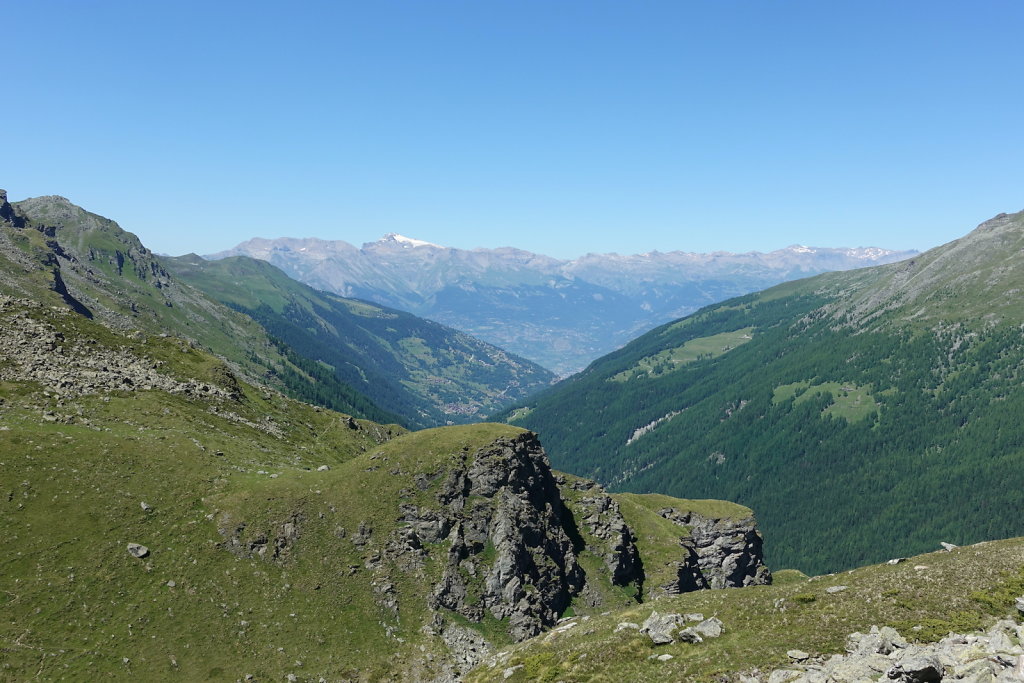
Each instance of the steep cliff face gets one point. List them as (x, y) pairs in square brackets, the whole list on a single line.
[(689, 545), (509, 553), (720, 553), (614, 569)]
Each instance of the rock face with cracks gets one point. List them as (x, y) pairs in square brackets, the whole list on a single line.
[(720, 553), (509, 553)]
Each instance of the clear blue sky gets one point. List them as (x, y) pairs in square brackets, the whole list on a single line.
[(560, 127)]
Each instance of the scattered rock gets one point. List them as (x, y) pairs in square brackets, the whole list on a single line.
[(917, 666), (836, 589), (689, 635), (660, 627), (322, 468), (511, 671), (896, 560), (145, 507), (884, 655), (137, 550), (948, 546), (623, 625), (709, 628), (665, 657)]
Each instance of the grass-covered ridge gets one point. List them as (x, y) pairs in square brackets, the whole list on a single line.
[(266, 521)]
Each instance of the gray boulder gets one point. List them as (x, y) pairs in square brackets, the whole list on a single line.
[(137, 550), (661, 627), (709, 628)]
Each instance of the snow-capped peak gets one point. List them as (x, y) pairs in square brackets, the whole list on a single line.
[(407, 241), (801, 249)]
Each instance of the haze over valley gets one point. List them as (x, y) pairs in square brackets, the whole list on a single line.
[(560, 314)]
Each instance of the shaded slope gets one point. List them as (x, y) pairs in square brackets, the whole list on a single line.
[(871, 413), (428, 373)]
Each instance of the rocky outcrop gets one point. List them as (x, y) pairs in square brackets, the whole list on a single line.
[(274, 545), (8, 214), (509, 552), (719, 553), (605, 531), (883, 655)]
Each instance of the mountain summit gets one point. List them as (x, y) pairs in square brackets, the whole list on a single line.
[(561, 314), (402, 241)]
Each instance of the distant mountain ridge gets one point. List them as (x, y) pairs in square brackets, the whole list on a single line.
[(559, 313)]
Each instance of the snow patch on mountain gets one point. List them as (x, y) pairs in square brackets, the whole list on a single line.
[(407, 242)]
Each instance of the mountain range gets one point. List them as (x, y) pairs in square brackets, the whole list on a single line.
[(863, 414), (172, 511), (561, 314)]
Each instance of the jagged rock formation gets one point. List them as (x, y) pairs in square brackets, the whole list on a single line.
[(610, 537), (720, 553), (509, 553)]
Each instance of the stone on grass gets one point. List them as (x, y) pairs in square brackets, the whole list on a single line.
[(660, 627), (709, 628), (688, 635), (137, 550)]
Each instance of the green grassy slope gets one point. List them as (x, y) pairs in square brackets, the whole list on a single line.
[(53, 251), (427, 373), (872, 413), (72, 489)]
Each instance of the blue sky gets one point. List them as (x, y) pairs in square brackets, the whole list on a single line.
[(559, 127)]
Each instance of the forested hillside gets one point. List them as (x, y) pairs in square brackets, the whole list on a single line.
[(864, 415), (424, 372)]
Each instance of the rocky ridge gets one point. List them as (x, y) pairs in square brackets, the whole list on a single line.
[(490, 533), (35, 350), (993, 656), (505, 504)]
